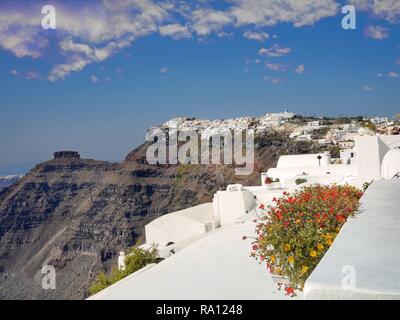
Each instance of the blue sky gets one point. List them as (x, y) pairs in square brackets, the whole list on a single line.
[(95, 85)]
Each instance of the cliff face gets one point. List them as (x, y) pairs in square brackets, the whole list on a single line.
[(77, 214)]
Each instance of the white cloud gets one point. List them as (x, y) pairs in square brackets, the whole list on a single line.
[(393, 74), (268, 12), (275, 67), (254, 35), (61, 71), (175, 31), (163, 70), (94, 79), (274, 51), (274, 80), (377, 32), (385, 9), (300, 69), (100, 29), (14, 72), (368, 88), (379, 75), (32, 74), (205, 21), (67, 45)]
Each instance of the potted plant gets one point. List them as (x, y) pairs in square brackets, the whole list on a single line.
[(297, 229), (271, 183)]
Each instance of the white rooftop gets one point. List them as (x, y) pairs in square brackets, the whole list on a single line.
[(218, 266)]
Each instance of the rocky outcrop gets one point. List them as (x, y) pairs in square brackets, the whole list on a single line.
[(66, 155), (77, 214)]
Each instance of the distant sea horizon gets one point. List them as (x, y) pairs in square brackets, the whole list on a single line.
[(19, 168)]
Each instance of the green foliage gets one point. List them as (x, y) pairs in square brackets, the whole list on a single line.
[(335, 151), (300, 181), (101, 282), (182, 170), (369, 125), (366, 185), (136, 259)]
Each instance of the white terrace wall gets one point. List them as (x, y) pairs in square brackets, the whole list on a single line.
[(370, 151), (335, 173), (181, 225), (230, 205), (300, 160)]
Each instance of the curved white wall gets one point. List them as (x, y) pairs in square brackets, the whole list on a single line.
[(180, 225)]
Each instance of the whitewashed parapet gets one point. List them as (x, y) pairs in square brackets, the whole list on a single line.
[(364, 260)]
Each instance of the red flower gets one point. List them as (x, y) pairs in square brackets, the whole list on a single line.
[(261, 206), (340, 218), (286, 224), (289, 291), (279, 215), (255, 247)]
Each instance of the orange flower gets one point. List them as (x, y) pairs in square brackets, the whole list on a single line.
[(313, 253)]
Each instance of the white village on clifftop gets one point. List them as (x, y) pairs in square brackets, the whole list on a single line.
[(205, 256)]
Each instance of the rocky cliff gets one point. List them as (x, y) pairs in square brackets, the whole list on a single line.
[(77, 214)]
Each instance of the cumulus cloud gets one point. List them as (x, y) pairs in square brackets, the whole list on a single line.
[(274, 51), (393, 74), (300, 69), (205, 21), (268, 13), (377, 32), (274, 80), (385, 9), (254, 35), (175, 31), (32, 74), (275, 67), (368, 88), (61, 71), (101, 29), (163, 70)]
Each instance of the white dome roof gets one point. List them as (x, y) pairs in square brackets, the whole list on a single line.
[(390, 164)]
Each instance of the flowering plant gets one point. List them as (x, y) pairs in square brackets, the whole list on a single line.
[(297, 230), (268, 180)]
